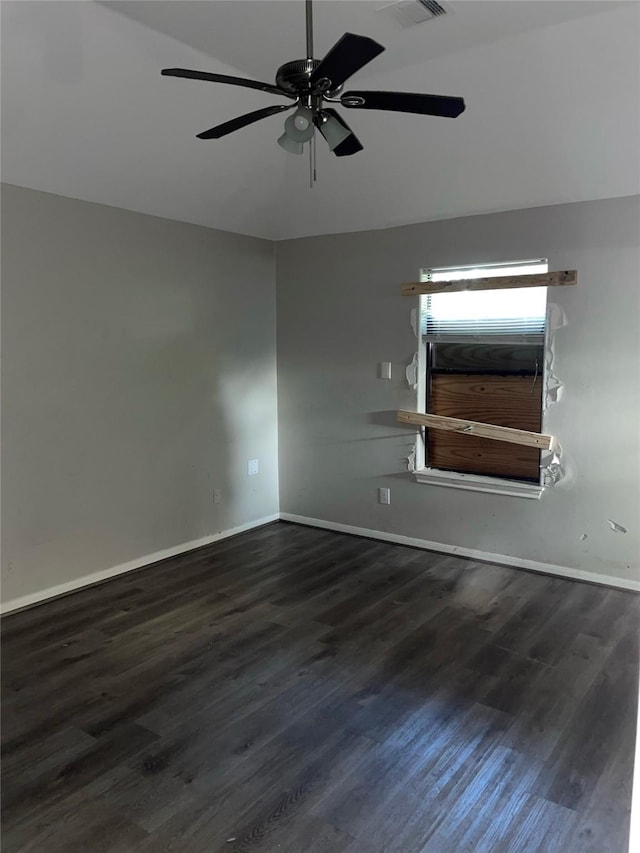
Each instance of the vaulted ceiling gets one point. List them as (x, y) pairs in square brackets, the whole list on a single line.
[(552, 92)]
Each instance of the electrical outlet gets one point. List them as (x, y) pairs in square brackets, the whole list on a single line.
[(384, 496), (384, 370), (253, 467), (217, 496)]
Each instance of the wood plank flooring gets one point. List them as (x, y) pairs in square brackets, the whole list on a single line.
[(303, 691)]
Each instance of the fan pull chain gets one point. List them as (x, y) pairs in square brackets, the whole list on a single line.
[(313, 176), (313, 141)]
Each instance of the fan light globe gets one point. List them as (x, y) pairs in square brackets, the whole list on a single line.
[(289, 144), (334, 132), (299, 126)]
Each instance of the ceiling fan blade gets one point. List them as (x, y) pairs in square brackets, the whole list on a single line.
[(351, 145), (242, 121), (404, 102), (348, 55), (225, 78)]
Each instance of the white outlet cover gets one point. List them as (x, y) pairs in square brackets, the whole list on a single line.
[(384, 496), (253, 467)]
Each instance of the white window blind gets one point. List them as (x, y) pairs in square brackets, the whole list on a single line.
[(516, 315)]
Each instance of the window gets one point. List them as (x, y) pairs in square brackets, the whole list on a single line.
[(483, 359)]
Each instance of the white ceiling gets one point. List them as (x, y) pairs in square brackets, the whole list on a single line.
[(552, 92), (257, 37)]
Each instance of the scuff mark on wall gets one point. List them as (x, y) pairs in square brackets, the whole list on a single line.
[(617, 528), (556, 319), (414, 322), (551, 467), (411, 372), (553, 385)]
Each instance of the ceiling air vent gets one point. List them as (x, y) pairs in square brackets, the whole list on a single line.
[(434, 9), (408, 13)]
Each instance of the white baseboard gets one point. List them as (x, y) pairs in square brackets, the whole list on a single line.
[(485, 556), (103, 575), (148, 559)]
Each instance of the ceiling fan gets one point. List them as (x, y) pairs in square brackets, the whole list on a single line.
[(310, 82)]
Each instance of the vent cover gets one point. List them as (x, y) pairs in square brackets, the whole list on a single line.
[(434, 8), (408, 13)]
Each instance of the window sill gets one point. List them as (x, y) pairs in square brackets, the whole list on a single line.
[(475, 483)]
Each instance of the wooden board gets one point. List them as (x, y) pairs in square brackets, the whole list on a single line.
[(547, 279), (466, 427), (509, 401), (476, 357), (450, 451)]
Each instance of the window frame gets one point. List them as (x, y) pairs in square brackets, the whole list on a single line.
[(460, 480)]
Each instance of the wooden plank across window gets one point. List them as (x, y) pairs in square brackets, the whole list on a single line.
[(545, 279), (477, 428), (495, 433), (507, 401)]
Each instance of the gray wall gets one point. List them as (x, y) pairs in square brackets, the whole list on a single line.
[(340, 313), (138, 375)]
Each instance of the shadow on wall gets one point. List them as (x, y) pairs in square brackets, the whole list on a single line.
[(172, 431), (115, 433)]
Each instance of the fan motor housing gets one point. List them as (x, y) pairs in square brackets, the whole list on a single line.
[(295, 77)]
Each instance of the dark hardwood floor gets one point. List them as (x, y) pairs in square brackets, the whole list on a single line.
[(299, 691)]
